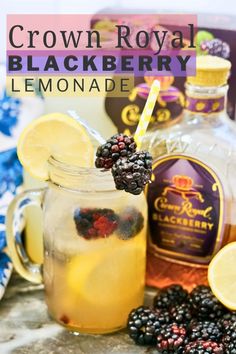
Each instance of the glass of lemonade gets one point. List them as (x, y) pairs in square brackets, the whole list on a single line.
[(94, 247)]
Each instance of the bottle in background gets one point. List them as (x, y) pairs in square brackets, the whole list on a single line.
[(192, 197)]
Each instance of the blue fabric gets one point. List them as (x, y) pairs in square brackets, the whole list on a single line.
[(2, 240), (15, 114), (10, 176), (5, 272), (10, 172), (5, 262), (9, 111), (10, 179), (2, 219)]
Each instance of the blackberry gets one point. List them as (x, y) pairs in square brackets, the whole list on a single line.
[(229, 339), (228, 317), (170, 296), (179, 350), (205, 330), (216, 47), (163, 316), (119, 145), (204, 347), (95, 223), (171, 338), (143, 326), (133, 173), (204, 304), (181, 314), (131, 222)]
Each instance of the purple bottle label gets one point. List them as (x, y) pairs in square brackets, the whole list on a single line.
[(186, 210), (205, 105)]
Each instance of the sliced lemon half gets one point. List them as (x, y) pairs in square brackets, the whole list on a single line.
[(102, 278), (57, 135), (222, 276)]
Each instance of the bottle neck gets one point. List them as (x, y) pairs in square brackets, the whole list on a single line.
[(206, 101)]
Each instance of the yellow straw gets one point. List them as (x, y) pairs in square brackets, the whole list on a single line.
[(147, 113)]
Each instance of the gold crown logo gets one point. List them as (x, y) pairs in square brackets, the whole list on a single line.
[(182, 182)]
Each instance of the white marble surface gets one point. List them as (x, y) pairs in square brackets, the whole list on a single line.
[(25, 328)]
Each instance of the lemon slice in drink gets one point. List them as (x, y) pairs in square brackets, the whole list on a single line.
[(109, 276), (222, 276), (57, 135)]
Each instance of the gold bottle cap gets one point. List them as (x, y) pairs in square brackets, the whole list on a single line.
[(210, 71)]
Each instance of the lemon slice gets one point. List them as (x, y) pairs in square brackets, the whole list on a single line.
[(222, 276), (110, 276), (57, 135)]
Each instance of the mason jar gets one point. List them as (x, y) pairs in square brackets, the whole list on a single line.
[(94, 247)]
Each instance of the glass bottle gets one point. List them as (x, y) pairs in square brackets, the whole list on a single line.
[(192, 197)]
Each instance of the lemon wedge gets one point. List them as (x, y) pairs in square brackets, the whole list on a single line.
[(222, 276), (106, 277), (57, 135)]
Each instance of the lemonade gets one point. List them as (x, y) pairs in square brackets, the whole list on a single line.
[(104, 305), (92, 281)]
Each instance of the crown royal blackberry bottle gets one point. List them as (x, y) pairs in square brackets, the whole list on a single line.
[(192, 197)]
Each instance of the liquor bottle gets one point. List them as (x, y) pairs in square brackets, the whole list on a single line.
[(192, 197)]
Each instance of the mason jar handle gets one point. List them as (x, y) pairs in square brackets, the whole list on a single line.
[(15, 223)]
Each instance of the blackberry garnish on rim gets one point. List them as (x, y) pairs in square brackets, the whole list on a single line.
[(118, 146), (133, 173)]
